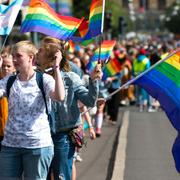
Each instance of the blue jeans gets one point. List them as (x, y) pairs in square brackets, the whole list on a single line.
[(63, 156), (32, 163)]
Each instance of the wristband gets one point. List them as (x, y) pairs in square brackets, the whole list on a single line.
[(56, 67), (91, 127), (51, 69)]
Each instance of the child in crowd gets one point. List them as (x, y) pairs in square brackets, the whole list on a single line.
[(6, 69)]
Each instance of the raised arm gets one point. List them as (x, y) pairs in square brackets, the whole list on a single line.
[(59, 92)]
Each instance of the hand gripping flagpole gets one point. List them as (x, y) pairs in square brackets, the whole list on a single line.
[(100, 42), (137, 77)]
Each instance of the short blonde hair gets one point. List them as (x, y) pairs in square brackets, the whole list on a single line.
[(28, 47)]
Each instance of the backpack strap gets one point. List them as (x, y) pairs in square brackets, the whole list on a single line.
[(39, 80), (9, 84)]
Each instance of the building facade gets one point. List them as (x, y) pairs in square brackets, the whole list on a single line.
[(147, 14)]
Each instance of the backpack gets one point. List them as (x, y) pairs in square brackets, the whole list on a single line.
[(39, 80)]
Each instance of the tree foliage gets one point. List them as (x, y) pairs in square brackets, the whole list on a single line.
[(81, 8), (173, 24), (172, 20)]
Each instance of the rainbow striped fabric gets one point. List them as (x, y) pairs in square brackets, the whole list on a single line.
[(71, 46), (94, 27), (82, 33), (105, 51), (42, 18), (163, 83), (83, 28), (8, 15), (96, 17), (90, 66), (86, 42), (111, 68)]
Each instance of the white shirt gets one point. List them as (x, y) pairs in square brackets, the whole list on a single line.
[(27, 125)]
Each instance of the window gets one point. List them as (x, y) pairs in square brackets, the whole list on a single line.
[(161, 4), (144, 4)]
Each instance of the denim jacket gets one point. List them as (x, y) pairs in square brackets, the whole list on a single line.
[(66, 113)]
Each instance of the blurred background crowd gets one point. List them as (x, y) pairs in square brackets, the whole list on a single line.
[(145, 31)]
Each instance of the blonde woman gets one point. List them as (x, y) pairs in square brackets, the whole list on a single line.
[(27, 146)]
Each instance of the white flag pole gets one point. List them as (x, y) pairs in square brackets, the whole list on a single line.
[(102, 28), (102, 23)]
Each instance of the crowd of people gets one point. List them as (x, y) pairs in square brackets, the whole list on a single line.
[(46, 93)]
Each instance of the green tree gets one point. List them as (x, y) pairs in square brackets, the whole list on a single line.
[(81, 8), (116, 10), (172, 20)]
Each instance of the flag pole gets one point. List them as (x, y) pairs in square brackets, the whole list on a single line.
[(3, 44), (101, 35), (137, 77), (100, 42), (102, 23)]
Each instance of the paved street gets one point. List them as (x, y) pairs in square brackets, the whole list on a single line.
[(140, 149), (98, 157)]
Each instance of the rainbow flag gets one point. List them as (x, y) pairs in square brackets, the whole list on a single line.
[(163, 83), (90, 66), (71, 47), (96, 17), (111, 68), (83, 28), (8, 15), (106, 50), (82, 33), (42, 18), (86, 42), (92, 28)]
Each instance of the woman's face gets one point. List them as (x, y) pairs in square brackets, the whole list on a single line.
[(7, 66), (46, 55), (22, 60), (40, 56)]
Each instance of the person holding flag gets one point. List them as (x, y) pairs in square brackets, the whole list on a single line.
[(67, 114)]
